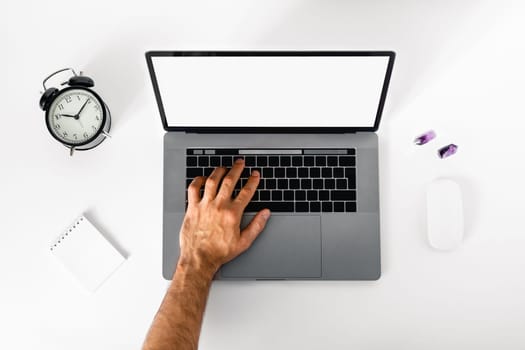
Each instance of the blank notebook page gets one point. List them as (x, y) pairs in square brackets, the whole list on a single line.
[(86, 254)]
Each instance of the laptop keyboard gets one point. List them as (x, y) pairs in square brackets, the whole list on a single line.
[(292, 180)]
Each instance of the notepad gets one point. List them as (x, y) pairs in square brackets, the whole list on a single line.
[(87, 254)]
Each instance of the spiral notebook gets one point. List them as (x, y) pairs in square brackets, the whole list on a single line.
[(87, 254)]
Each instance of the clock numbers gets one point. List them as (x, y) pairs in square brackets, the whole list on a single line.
[(78, 98), (97, 117), (75, 136), (61, 107), (57, 126), (57, 116), (85, 135), (65, 133), (68, 99)]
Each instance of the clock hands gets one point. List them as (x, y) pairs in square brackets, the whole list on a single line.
[(81, 109), (76, 116)]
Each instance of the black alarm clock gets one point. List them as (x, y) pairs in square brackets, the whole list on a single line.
[(75, 115)]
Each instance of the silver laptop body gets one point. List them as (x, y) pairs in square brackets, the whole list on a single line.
[(299, 107)]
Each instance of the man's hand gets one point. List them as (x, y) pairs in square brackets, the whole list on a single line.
[(210, 235)]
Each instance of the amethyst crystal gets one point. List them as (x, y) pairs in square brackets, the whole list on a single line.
[(447, 151), (425, 138)]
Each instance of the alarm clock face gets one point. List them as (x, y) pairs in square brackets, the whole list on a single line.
[(76, 116)]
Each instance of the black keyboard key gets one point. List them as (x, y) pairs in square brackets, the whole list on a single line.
[(301, 207), (188, 182), (249, 161), (271, 184), (320, 160), (273, 161), (255, 196), (282, 184), (237, 157), (349, 172), (238, 185), (204, 161), (329, 184), (226, 161), (297, 161), (350, 175), (267, 172), (308, 161), (343, 195), (286, 161), (193, 172), (279, 172), (294, 184), (245, 172), (208, 171), (264, 195), (317, 184), (346, 161), (302, 172), (340, 184), (311, 195), (291, 172), (306, 184), (339, 172), (326, 172), (262, 161), (315, 172), (351, 151), (277, 195), (339, 207), (215, 161), (326, 207), (288, 195), (331, 161), (350, 207), (276, 207), (300, 195), (191, 161), (315, 207), (324, 195)]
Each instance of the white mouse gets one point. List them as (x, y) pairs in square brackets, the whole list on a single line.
[(444, 214)]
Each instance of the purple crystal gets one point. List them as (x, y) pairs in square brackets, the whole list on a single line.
[(447, 151), (425, 138)]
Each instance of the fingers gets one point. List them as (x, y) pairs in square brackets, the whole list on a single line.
[(212, 183), (229, 181), (254, 228), (194, 189), (246, 194)]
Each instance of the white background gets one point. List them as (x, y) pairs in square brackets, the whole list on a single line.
[(270, 91), (459, 70)]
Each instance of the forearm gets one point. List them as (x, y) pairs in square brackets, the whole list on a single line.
[(178, 322)]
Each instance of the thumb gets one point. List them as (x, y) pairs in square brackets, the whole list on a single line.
[(254, 228)]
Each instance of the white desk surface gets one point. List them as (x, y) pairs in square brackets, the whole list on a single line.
[(460, 70)]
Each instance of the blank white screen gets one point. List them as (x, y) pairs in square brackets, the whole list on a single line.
[(275, 91)]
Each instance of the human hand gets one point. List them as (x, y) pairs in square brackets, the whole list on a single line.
[(210, 235)]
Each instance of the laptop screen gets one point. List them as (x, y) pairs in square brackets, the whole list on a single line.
[(282, 91)]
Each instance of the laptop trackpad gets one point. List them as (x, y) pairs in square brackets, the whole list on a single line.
[(289, 247)]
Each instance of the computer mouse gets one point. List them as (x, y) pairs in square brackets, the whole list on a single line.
[(444, 214)]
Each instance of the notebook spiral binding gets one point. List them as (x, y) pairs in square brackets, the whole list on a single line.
[(66, 233)]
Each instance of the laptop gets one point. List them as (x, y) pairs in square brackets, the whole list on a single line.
[(307, 121)]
